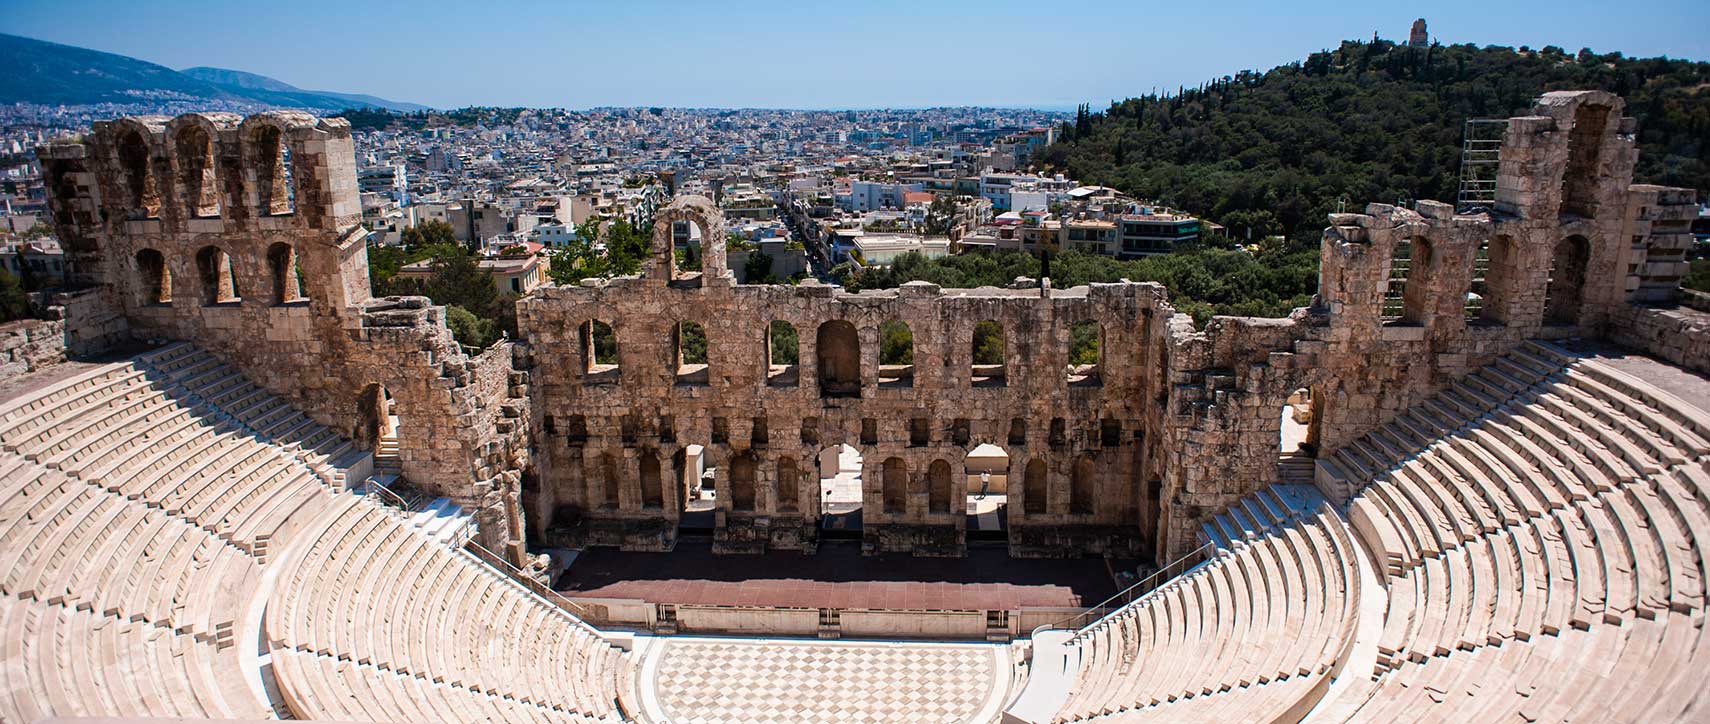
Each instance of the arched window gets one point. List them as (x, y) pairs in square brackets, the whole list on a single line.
[(154, 278), (689, 353), (1566, 290), (742, 473), (1081, 486), (1086, 352), (197, 182), (896, 354), (938, 486), (783, 354), (1579, 178), (1501, 278), (652, 484), (839, 356), (135, 159), (276, 191), (599, 352), (219, 284), (789, 484), (988, 355), (894, 474), (287, 279), (1034, 487)]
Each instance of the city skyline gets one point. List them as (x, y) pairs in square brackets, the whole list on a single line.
[(772, 55)]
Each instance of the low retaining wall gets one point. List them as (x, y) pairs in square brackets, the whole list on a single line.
[(28, 345), (1679, 335)]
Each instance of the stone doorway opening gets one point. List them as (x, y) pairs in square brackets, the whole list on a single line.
[(695, 481), (377, 429), (840, 492), (986, 484)]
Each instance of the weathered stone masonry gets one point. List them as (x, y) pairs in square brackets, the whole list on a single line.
[(241, 235)]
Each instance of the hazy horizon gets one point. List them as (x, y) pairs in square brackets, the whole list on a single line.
[(791, 56)]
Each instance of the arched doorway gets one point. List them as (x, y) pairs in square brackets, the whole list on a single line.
[(377, 429), (840, 494), (1566, 291), (985, 475)]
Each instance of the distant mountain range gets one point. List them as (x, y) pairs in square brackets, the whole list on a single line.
[(49, 73)]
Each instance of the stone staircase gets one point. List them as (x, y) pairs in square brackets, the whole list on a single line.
[(1262, 512)]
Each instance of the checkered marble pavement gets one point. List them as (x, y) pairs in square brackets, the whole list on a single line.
[(718, 681)]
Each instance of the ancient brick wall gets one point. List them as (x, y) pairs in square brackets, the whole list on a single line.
[(598, 425), (242, 235)]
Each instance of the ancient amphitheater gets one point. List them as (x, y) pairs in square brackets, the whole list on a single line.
[(1500, 512)]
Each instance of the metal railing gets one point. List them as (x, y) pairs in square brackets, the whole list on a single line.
[(387, 498), (1080, 622)]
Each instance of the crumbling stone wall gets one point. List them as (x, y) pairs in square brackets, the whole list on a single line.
[(243, 236), (598, 427), (198, 228)]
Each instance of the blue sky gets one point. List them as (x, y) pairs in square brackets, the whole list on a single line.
[(850, 54)]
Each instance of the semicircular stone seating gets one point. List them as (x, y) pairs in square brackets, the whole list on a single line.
[(143, 503), (1251, 634), (1539, 529), (1542, 527), (369, 602)]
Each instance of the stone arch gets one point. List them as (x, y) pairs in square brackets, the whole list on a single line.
[(1405, 289), (198, 177), (1501, 280), (989, 353), (896, 354), (268, 154), (1035, 487), (940, 486), (837, 348), (1416, 297), (893, 476), (219, 282), (744, 469), (154, 278), (377, 421), (661, 264), (282, 267), (1082, 481), (1565, 293), (1581, 174), (789, 484), (652, 481), (136, 162), (1086, 352)]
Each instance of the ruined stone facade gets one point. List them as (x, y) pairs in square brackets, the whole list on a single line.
[(241, 235)]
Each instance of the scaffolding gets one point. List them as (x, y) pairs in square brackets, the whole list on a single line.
[(1481, 150)]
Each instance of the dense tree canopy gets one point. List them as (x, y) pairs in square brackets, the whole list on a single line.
[(1202, 281), (1274, 152)]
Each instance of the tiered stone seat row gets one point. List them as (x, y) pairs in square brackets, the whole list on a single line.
[(371, 589), (131, 429), (1544, 551), (68, 662), (248, 404), (325, 687), (1250, 635), (70, 543)]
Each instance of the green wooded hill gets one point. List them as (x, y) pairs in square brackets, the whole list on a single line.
[(1273, 152)]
